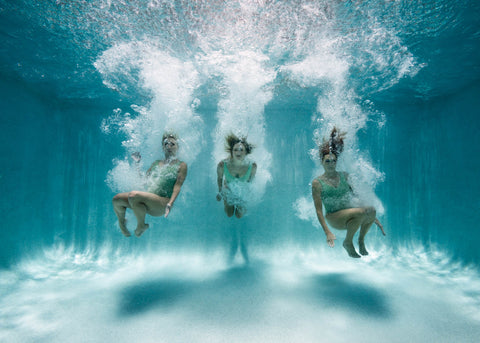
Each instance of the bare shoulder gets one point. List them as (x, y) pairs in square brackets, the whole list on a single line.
[(220, 164), (183, 167), (316, 190), (156, 162)]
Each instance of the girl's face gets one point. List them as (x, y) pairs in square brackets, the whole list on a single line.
[(239, 152), (170, 146), (329, 162)]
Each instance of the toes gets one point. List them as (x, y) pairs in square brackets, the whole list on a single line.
[(351, 250), (362, 249), (140, 231)]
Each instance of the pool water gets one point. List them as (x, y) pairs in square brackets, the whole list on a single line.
[(86, 84)]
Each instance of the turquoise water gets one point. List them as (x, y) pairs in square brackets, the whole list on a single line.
[(84, 84)]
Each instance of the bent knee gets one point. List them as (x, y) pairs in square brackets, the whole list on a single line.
[(370, 212), (229, 211), (239, 212), (119, 197), (134, 196)]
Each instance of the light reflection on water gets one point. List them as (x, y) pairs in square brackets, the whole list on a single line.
[(280, 297)]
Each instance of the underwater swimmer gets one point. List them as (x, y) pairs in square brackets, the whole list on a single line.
[(234, 170), (166, 179), (333, 191), (233, 175)]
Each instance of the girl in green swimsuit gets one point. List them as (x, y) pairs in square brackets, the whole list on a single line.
[(165, 179), (333, 191), (233, 175)]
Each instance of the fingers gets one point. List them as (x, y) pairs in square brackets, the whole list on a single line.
[(167, 210), (331, 240), (380, 226)]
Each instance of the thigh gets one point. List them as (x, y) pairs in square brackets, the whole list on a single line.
[(121, 199), (240, 211), (340, 218), (229, 209), (154, 204)]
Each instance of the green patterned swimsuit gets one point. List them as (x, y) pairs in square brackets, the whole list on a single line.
[(336, 198), (163, 178), (237, 191)]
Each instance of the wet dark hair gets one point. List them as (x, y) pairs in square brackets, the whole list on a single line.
[(334, 145), (231, 140)]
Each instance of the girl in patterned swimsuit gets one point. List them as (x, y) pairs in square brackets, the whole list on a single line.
[(333, 191), (233, 174), (165, 179)]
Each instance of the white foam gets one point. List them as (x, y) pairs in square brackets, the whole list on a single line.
[(337, 106), (170, 83), (246, 89)]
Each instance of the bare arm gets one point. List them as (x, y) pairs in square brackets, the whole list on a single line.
[(254, 171), (137, 157), (219, 179), (151, 167), (181, 176), (345, 174), (380, 226), (317, 200)]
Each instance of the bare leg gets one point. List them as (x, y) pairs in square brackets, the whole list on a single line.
[(143, 203), (370, 214), (235, 238), (238, 234), (140, 211), (120, 205), (243, 244), (229, 209), (239, 211), (233, 245), (352, 227), (351, 220)]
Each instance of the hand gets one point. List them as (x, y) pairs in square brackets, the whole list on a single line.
[(331, 239), (167, 210), (219, 196), (136, 156), (380, 226)]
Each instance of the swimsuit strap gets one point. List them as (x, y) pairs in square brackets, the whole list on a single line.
[(340, 182), (246, 177), (229, 177)]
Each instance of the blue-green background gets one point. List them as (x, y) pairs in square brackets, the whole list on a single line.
[(55, 158)]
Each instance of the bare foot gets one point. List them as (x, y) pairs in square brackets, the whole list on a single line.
[(362, 249), (141, 229), (351, 250), (123, 227)]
